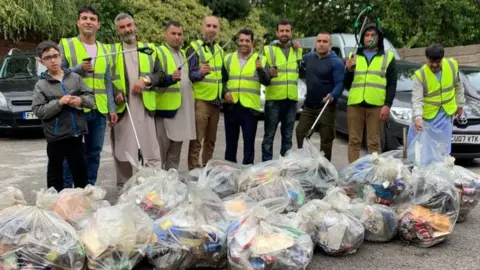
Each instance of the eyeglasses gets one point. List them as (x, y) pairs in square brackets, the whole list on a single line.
[(51, 57)]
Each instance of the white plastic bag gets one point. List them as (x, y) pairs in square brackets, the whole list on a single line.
[(193, 234), (32, 237), (330, 225), (263, 239), (156, 195), (116, 237)]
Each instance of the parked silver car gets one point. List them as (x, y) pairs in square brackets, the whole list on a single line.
[(302, 92)]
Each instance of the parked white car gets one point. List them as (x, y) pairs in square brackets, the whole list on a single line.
[(302, 92)]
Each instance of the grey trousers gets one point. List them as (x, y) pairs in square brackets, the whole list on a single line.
[(169, 150)]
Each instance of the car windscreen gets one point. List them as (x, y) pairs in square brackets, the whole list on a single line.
[(474, 78), (16, 67)]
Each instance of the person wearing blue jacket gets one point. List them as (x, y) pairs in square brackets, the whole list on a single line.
[(324, 71)]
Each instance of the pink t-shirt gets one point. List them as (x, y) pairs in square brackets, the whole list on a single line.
[(92, 51)]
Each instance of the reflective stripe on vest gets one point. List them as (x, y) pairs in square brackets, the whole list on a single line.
[(75, 51), (370, 81), (244, 82), (210, 87), (439, 94), (169, 98), (285, 85), (146, 65)]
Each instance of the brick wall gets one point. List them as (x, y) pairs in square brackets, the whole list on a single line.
[(6, 46), (465, 55)]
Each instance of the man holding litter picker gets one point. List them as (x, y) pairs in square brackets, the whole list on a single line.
[(95, 72)]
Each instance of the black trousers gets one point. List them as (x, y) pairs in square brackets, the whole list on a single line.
[(238, 117), (73, 150)]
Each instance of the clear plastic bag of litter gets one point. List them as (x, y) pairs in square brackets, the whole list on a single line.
[(11, 196), (263, 239), (193, 234), (427, 146), (375, 179), (398, 154), (76, 204), (330, 224), (157, 195), (429, 209), (116, 237), (312, 169), (268, 180), (140, 174), (380, 221), (237, 205), (32, 237), (221, 177), (466, 182)]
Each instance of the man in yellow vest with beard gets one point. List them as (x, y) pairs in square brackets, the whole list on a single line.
[(135, 77), (175, 117), (96, 75), (244, 72), (437, 95), (372, 82)]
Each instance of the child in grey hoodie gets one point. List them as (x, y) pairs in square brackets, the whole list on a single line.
[(58, 100)]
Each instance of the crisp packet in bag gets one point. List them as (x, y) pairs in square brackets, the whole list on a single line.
[(375, 179), (76, 204), (220, 177), (116, 237), (429, 209), (193, 234), (157, 195), (312, 169), (237, 205), (268, 180), (466, 182), (33, 237), (330, 224), (263, 239)]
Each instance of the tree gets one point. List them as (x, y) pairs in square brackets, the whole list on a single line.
[(229, 9)]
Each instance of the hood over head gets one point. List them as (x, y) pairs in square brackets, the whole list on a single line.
[(379, 33)]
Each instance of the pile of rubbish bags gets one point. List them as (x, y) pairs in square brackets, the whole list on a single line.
[(270, 215)]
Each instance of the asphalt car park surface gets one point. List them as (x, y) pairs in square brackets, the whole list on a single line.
[(23, 163)]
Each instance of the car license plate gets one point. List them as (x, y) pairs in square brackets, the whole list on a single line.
[(466, 139), (29, 116)]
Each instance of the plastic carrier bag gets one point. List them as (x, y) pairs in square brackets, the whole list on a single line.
[(193, 234), (157, 195), (466, 182), (116, 237), (427, 146), (237, 205), (263, 239), (330, 225), (429, 209), (380, 221), (221, 177), (312, 169), (32, 237), (268, 180), (140, 173), (76, 204), (375, 179), (11, 196)]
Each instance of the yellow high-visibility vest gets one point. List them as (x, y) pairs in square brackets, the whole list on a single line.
[(370, 81), (285, 85), (210, 87), (169, 98), (146, 65), (75, 52), (437, 94), (244, 82)]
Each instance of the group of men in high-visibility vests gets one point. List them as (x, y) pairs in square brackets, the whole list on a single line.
[(173, 99)]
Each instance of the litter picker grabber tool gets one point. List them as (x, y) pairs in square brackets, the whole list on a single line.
[(312, 129), (146, 50), (404, 150), (264, 41), (233, 39), (140, 155), (366, 11), (190, 57)]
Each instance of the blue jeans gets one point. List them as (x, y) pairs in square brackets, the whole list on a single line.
[(237, 117), (93, 147), (278, 111)]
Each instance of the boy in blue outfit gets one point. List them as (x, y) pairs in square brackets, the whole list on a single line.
[(58, 100)]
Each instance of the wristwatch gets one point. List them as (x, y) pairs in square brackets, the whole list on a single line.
[(147, 80)]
